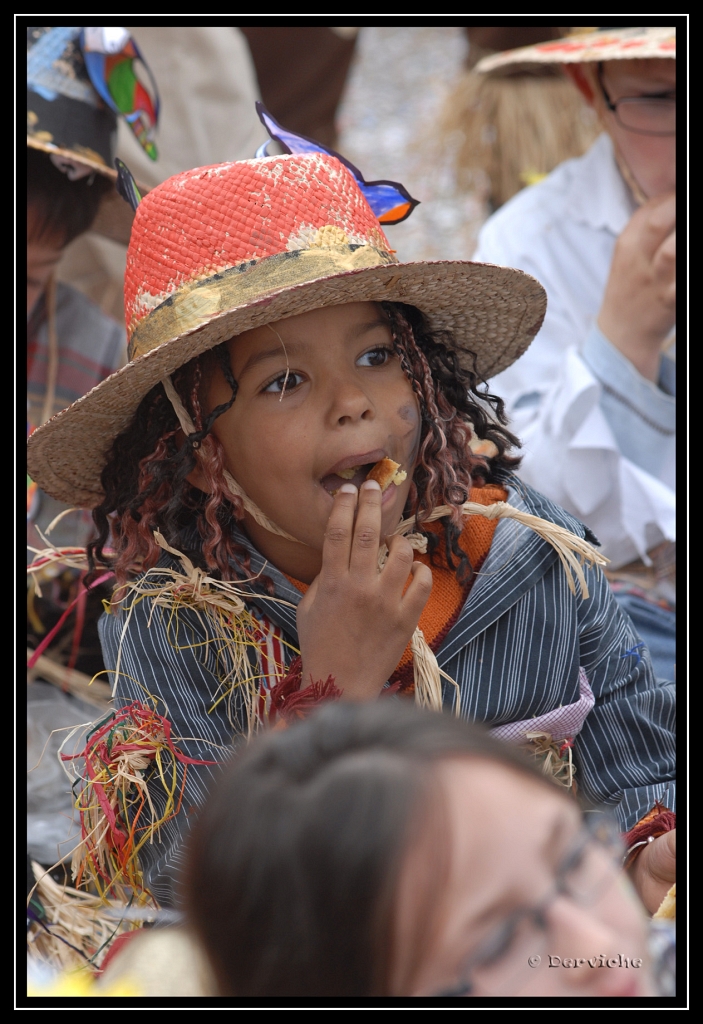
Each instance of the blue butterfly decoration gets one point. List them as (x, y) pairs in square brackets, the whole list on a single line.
[(390, 201)]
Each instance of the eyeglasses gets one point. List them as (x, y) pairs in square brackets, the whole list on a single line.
[(646, 115), (501, 963)]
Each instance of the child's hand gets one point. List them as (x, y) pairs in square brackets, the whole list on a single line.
[(354, 623), (654, 871)]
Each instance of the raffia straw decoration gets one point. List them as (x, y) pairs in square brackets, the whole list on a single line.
[(428, 676), (76, 929), (117, 814), (231, 627), (555, 757), (515, 129), (573, 551), (50, 561)]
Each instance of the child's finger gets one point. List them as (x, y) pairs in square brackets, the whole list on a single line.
[(418, 593), (399, 563), (367, 531), (338, 535)]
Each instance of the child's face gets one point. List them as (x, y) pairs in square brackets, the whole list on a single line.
[(346, 403), (43, 254), (510, 840), (652, 159)]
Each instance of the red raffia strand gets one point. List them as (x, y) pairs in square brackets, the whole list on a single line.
[(655, 823), (52, 633), (113, 802), (289, 702), (79, 623)]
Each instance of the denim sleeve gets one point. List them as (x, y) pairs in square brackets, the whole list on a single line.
[(641, 414)]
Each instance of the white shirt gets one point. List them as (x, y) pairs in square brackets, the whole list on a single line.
[(598, 438)]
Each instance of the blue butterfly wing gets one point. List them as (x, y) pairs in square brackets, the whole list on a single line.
[(293, 143), (389, 200)]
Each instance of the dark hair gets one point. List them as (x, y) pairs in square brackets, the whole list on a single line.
[(292, 867), (145, 474), (66, 208)]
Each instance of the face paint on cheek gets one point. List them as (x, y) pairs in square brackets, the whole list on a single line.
[(408, 413)]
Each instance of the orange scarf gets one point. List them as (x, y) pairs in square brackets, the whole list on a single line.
[(448, 596)]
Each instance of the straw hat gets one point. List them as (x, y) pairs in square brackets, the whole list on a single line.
[(71, 114), (591, 45), (219, 250)]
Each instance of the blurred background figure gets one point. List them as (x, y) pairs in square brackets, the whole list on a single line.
[(302, 72), (208, 88), (515, 128), (399, 81), (370, 851), (80, 82), (593, 397)]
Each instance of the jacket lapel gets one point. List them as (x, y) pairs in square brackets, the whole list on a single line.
[(517, 559)]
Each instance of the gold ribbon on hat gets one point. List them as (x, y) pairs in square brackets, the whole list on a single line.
[(254, 281)]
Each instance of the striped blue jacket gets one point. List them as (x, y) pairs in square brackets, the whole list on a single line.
[(515, 651)]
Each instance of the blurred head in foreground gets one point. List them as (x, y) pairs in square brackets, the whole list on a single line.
[(375, 850)]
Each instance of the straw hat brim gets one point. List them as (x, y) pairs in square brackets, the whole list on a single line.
[(115, 216), (587, 47), (493, 313)]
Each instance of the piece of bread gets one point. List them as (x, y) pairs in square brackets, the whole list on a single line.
[(667, 908), (387, 472)]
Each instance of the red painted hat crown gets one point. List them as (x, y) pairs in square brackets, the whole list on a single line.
[(210, 219)]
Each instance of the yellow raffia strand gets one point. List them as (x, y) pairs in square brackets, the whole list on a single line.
[(573, 551), (547, 752), (221, 609), (49, 561)]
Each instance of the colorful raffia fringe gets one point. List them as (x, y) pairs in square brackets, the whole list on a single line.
[(116, 811), (289, 702)]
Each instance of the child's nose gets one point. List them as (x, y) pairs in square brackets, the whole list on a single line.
[(349, 403)]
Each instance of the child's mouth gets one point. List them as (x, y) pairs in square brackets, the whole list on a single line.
[(353, 475), (384, 471)]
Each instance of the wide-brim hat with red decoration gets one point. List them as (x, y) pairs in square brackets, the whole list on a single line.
[(584, 46), (219, 250)]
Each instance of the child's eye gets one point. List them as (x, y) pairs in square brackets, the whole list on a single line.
[(375, 357), (281, 383)]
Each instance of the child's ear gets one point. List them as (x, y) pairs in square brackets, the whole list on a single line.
[(583, 79)]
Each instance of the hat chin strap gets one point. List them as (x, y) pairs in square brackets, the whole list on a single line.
[(188, 427)]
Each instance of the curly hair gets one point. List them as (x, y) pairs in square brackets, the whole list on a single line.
[(145, 477), (453, 410)]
